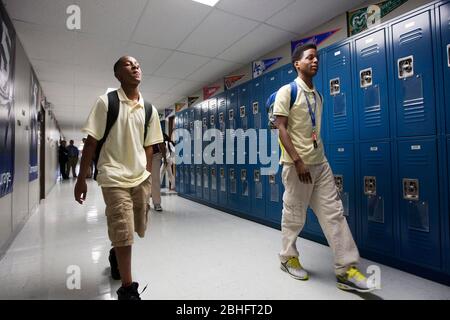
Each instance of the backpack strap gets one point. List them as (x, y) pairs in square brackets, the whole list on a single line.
[(294, 92), (148, 116), (113, 113)]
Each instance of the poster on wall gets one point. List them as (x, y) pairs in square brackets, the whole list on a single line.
[(364, 18), (208, 92), (315, 39), (7, 119), (179, 106), (191, 100), (34, 107), (262, 65), (169, 112)]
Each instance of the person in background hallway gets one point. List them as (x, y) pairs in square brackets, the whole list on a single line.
[(91, 167), (168, 161), (158, 151), (63, 157), (73, 159), (308, 179), (124, 167)]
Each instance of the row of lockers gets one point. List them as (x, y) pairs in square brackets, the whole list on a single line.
[(386, 132)]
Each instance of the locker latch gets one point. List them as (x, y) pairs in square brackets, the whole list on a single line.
[(370, 186), (222, 173), (255, 108), (232, 177), (242, 111), (212, 120), (192, 126), (204, 123), (335, 86), (339, 180), (213, 172), (243, 175), (448, 55), (221, 117), (406, 67), (411, 189), (231, 115), (257, 176), (272, 179), (366, 77)]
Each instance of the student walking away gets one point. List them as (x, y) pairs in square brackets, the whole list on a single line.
[(168, 161), (73, 159), (63, 158), (121, 130), (308, 179), (158, 152)]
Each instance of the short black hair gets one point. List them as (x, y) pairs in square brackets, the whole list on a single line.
[(117, 64), (300, 49)]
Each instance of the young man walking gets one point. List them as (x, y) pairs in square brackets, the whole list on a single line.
[(124, 167), (308, 179)]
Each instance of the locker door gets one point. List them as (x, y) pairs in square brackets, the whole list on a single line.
[(179, 168), (231, 118), (258, 121), (376, 197), (213, 125), (419, 202), (222, 169), (198, 127), (288, 74), (193, 185), (414, 79), (206, 170), (372, 86), (319, 85), (444, 12), (339, 94), (274, 186), (243, 122), (343, 166)]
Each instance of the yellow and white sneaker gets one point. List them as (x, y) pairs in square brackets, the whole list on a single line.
[(294, 269), (354, 280)]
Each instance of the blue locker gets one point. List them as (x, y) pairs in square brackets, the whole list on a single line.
[(258, 121), (414, 76), (206, 170), (342, 162), (372, 87), (375, 187), (179, 168), (192, 170), (319, 85), (274, 186), (243, 122), (213, 124), (187, 168), (338, 98), (231, 119), (222, 168), (444, 13), (419, 202), (198, 151), (288, 74)]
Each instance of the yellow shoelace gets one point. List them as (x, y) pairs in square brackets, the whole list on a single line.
[(355, 273)]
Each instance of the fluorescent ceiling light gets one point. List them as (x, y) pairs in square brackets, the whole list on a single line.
[(210, 3)]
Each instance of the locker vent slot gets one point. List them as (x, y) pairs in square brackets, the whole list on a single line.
[(412, 36), (370, 51)]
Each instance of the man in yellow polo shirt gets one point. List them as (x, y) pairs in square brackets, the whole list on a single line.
[(308, 179), (124, 167)]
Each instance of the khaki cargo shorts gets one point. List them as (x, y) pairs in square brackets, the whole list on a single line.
[(127, 212)]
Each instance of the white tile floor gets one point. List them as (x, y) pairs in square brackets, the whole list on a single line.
[(190, 252)]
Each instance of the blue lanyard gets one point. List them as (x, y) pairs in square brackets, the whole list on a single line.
[(311, 113)]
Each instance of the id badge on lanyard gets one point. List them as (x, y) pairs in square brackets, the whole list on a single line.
[(312, 114)]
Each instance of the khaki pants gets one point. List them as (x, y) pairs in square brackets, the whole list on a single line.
[(168, 168), (323, 198), (156, 180), (127, 212), (72, 165)]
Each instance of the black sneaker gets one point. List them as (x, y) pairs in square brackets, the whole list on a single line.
[(115, 274), (129, 293)]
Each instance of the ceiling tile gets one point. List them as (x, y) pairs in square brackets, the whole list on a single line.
[(257, 43), (219, 31), (180, 65), (166, 23), (259, 10), (157, 85), (184, 88), (213, 70), (149, 58)]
